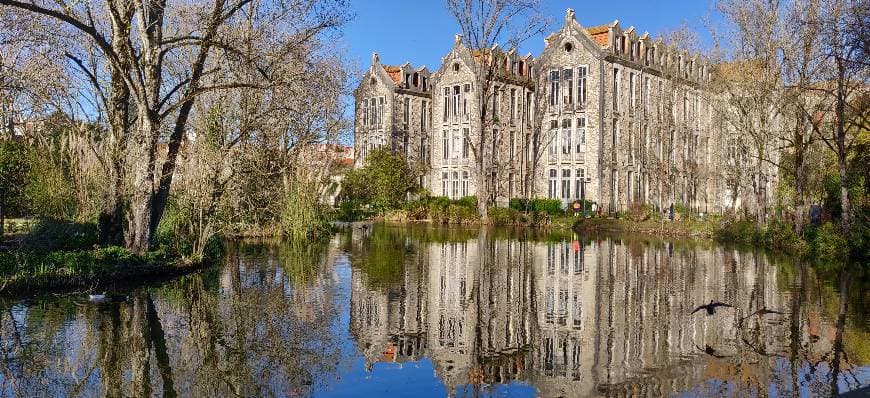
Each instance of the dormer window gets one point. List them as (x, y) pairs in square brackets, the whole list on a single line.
[(373, 82), (456, 66), (416, 79)]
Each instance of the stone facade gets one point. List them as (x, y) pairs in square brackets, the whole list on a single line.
[(393, 105), (603, 114)]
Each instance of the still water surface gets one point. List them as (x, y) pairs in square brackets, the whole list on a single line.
[(423, 312)]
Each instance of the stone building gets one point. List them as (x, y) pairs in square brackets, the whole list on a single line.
[(604, 114), (393, 105)]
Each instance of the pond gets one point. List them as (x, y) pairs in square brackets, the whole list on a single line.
[(431, 312)]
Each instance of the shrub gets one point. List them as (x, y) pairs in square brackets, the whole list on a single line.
[(828, 243), (384, 182), (638, 212), (51, 235), (779, 234), (552, 207), (468, 201), (737, 230), (504, 216)]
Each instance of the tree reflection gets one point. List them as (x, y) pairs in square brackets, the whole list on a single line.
[(569, 315)]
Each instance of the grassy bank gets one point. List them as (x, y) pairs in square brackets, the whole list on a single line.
[(58, 256), (823, 243), (695, 228), (543, 213)]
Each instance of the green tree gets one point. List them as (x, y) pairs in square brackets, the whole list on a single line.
[(13, 177), (383, 182)]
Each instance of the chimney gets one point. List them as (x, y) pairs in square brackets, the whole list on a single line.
[(376, 59)]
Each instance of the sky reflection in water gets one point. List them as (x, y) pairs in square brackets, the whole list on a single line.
[(427, 312)]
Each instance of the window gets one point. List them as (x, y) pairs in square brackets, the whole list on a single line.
[(455, 185), (510, 185), (568, 87), (466, 90), (446, 102), (566, 137), (566, 185), (380, 111), (661, 100), (631, 89), (616, 90), (553, 183), (512, 144), (456, 141), (406, 118), (615, 140), (456, 96), (444, 184), (685, 106), (365, 112), (527, 115), (554, 88), (465, 183), (581, 86), (580, 141), (424, 150), (495, 103), (579, 184), (552, 143), (465, 143), (646, 89), (513, 104), (494, 141), (445, 145), (423, 115)]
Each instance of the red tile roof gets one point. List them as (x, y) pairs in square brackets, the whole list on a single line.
[(395, 73), (599, 34)]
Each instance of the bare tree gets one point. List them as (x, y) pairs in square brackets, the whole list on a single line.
[(841, 85), (160, 58), (484, 24), (750, 86)]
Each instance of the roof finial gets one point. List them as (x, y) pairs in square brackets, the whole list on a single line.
[(569, 15), (457, 39), (376, 59)]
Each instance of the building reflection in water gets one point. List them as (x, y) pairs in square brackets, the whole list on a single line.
[(562, 315), (581, 317)]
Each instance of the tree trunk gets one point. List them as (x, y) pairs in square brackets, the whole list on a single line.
[(2, 215), (139, 231), (845, 202), (110, 220)]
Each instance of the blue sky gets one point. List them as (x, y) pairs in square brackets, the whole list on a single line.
[(421, 31)]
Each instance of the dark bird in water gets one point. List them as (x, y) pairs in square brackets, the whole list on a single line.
[(711, 351), (711, 308), (762, 312)]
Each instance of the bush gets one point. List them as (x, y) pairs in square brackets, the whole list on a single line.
[(551, 207), (504, 216), (383, 183), (468, 201), (828, 243), (737, 230), (49, 235), (779, 234), (638, 212)]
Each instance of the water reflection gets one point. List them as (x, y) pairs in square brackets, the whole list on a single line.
[(580, 317), (453, 312)]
